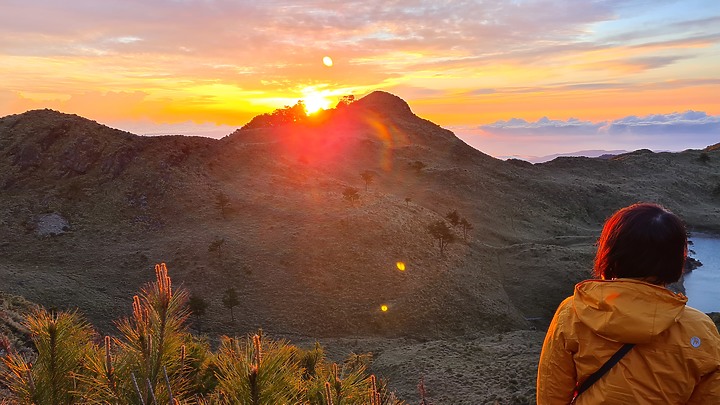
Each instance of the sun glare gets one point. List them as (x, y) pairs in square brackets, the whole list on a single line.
[(327, 61), (315, 102)]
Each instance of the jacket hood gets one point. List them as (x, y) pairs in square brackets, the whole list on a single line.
[(626, 310)]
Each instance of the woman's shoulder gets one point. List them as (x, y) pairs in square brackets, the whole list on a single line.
[(566, 309), (565, 305), (696, 319)]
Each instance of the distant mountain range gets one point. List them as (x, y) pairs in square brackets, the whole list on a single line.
[(592, 153)]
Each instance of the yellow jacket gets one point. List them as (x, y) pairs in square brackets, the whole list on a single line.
[(676, 359)]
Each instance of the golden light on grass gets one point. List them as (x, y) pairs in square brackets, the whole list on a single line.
[(327, 61), (400, 266), (384, 308)]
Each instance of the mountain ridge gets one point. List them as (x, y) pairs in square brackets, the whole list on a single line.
[(157, 169), (107, 180)]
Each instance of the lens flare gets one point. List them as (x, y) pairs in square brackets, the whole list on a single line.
[(400, 266), (384, 308), (390, 136), (327, 61)]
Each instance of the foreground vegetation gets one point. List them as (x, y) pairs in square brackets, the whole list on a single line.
[(155, 360)]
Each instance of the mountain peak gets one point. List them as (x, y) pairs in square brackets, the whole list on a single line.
[(385, 102)]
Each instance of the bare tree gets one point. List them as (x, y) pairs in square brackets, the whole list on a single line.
[(230, 300), (440, 231), (368, 176), (453, 217)]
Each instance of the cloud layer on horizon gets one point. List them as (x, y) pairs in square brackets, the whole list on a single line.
[(688, 122), (529, 139)]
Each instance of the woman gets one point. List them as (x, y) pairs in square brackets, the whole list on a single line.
[(676, 357)]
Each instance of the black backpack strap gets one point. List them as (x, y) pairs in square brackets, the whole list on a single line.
[(602, 370)]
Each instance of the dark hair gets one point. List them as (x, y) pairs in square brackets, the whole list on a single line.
[(642, 241)]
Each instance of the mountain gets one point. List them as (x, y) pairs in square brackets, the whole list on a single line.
[(86, 211), (592, 153), (304, 260)]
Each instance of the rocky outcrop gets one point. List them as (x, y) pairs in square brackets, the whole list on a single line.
[(51, 224)]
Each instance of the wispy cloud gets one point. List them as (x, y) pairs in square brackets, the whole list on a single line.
[(519, 137), (228, 29)]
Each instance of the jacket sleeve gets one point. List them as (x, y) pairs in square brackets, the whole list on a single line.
[(707, 391), (556, 371)]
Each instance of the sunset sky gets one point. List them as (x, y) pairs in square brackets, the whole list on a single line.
[(510, 77)]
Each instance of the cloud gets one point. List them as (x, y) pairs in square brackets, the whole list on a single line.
[(688, 122), (180, 48), (675, 131), (543, 126), (692, 123), (653, 62), (270, 29), (188, 128)]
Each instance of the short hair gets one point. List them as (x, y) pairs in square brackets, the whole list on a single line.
[(642, 241)]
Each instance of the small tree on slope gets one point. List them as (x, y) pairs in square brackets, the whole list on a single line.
[(440, 231), (230, 300)]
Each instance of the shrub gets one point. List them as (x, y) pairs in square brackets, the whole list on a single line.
[(417, 166), (279, 117), (155, 360), (351, 194), (62, 341)]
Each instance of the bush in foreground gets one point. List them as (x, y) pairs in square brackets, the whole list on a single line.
[(155, 360)]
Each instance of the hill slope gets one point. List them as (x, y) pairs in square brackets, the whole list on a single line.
[(305, 261)]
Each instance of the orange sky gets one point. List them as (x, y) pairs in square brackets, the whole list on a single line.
[(190, 66)]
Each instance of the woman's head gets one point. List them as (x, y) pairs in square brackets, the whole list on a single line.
[(642, 241)]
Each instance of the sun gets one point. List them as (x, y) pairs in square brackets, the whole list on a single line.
[(315, 102)]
